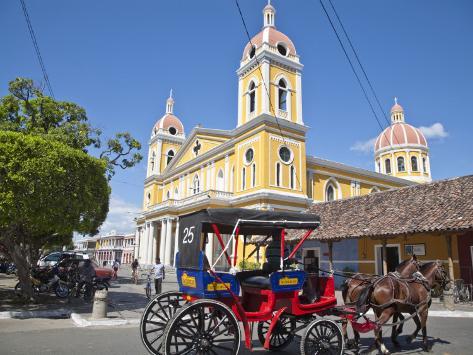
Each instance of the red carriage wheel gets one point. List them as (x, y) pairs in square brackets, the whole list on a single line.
[(282, 335), (322, 336)]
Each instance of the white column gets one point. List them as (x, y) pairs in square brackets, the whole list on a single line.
[(240, 101), (176, 241), (150, 243), (162, 243), (153, 241), (144, 245), (299, 98), (226, 172), (136, 247), (212, 176), (157, 165), (207, 178), (167, 254), (266, 85)]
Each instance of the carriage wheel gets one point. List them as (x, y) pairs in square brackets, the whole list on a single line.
[(282, 334), (322, 336), (156, 316), (203, 327)]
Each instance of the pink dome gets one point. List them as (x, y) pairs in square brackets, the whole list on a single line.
[(167, 122), (400, 134), (274, 37), (397, 108)]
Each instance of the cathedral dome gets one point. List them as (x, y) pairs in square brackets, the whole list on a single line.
[(274, 38), (270, 35), (169, 123), (400, 134)]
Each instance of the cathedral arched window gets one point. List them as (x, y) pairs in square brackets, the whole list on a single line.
[(148, 198), (293, 177), (196, 185), (168, 195), (400, 164), (243, 178), (169, 156), (282, 95), (252, 97), (330, 193), (414, 164), (152, 161), (253, 175), (278, 174), (176, 193), (424, 165), (220, 181), (232, 178), (387, 166)]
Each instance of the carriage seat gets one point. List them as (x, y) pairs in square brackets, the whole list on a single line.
[(254, 278)]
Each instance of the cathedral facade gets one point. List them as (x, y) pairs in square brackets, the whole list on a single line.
[(262, 163)]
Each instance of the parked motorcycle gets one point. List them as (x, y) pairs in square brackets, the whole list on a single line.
[(11, 269), (44, 281)]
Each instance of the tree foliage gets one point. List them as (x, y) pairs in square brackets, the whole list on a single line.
[(26, 109), (47, 189)]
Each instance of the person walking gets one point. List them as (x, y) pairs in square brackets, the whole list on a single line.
[(116, 265), (158, 270), (134, 271)]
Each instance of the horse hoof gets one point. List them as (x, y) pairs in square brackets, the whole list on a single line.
[(427, 348)]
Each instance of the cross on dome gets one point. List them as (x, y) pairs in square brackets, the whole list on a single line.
[(170, 103)]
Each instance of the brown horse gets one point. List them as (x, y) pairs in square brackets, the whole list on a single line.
[(354, 286), (390, 295)]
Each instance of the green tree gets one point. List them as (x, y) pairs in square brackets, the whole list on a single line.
[(27, 109), (46, 189), (50, 184)]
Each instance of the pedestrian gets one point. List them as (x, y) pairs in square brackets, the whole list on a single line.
[(159, 276), (134, 271), (115, 266), (104, 263), (86, 274)]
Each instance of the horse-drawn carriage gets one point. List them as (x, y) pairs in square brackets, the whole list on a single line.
[(204, 316)]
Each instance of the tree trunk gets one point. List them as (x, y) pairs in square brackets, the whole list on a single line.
[(19, 257)]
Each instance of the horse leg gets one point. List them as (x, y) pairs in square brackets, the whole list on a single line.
[(394, 331), (411, 337), (385, 316), (345, 333), (423, 320), (401, 326), (356, 339)]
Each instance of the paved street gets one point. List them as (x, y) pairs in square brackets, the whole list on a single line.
[(59, 336), (450, 336)]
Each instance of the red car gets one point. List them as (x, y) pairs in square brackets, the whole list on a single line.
[(100, 272)]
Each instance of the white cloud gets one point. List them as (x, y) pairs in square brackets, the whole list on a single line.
[(120, 217), (435, 131), (364, 146)]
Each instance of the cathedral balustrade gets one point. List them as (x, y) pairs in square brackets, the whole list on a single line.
[(282, 114), (201, 196)]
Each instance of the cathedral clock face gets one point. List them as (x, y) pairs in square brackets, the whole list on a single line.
[(285, 154)]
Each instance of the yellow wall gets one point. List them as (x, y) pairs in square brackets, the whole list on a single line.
[(435, 249)]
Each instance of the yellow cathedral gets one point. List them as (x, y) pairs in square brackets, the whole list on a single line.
[(262, 163)]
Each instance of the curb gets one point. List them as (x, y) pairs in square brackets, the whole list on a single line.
[(81, 322), (58, 313)]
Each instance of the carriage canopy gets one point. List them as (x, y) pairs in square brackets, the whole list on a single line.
[(194, 226)]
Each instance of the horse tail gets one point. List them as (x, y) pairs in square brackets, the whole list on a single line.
[(362, 304)]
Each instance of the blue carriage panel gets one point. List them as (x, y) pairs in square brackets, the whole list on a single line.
[(291, 280), (201, 284)]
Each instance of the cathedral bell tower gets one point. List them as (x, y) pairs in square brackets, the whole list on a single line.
[(269, 77)]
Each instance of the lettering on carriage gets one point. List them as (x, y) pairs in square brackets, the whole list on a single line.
[(188, 281), (188, 235), (288, 281), (218, 286)]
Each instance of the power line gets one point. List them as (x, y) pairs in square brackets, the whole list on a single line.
[(362, 67), (36, 47), (264, 84)]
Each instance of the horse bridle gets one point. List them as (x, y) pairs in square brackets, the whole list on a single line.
[(444, 279)]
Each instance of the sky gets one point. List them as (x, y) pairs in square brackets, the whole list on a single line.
[(119, 59)]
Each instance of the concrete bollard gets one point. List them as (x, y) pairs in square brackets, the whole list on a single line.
[(448, 300), (99, 309)]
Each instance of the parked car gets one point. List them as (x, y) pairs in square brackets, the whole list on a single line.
[(55, 257), (100, 272)]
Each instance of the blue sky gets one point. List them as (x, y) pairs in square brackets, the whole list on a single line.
[(118, 59)]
